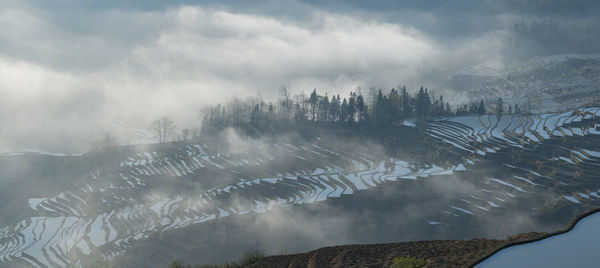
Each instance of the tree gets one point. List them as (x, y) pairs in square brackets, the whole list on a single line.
[(362, 109), (499, 106), (301, 111), (285, 100), (481, 109), (351, 108), (382, 110), (298, 112), (256, 115), (324, 109), (427, 103), (371, 98), (343, 111), (395, 104), (406, 105), (162, 127), (334, 108), (474, 108), (313, 103), (423, 103), (378, 110)]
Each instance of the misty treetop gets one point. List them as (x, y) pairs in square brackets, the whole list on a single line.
[(162, 128), (376, 109)]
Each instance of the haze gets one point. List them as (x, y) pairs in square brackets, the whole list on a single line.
[(70, 69)]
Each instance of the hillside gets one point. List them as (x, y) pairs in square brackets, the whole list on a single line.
[(212, 199), (541, 84), (445, 253)]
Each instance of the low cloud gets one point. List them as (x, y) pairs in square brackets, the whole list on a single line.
[(67, 76)]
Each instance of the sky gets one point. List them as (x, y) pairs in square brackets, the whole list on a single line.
[(70, 69)]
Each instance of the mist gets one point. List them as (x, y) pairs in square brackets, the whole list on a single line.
[(70, 70), (289, 126)]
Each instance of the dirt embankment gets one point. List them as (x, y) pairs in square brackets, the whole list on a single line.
[(442, 253)]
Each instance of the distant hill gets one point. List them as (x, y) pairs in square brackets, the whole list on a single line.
[(542, 84)]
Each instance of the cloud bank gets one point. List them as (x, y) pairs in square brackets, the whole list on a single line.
[(68, 71)]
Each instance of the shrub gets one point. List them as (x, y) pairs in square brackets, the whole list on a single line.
[(250, 258), (408, 262)]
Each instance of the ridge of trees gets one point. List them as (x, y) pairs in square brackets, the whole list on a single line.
[(373, 110)]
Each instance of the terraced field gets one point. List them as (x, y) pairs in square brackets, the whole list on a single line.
[(540, 167), (540, 84)]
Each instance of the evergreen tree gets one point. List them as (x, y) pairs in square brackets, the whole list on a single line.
[(313, 104), (378, 109), (481, 109), (352, 111), (396, 104), (420, 104), (517, 109), (362, 109), (334, 108), (351, 108), (499, 106), (407, 109), (427, 104), (344, 111), (474, 108), (324, 109)]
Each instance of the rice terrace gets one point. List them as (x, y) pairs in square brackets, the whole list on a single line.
[(299, 134)]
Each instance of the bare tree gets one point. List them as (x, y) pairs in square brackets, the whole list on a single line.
[(163, 127), (284, 99)]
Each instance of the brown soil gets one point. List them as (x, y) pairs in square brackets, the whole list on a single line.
[(442, 253)]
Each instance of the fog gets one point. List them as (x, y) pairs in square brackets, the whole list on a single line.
[(70, 69), (290, 192)]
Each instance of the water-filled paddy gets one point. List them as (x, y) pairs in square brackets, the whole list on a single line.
[(576, 248)]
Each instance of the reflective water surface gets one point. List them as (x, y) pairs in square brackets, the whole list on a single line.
[(576, 248)]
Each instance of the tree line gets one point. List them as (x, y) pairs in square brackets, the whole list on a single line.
[(374, 109)]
